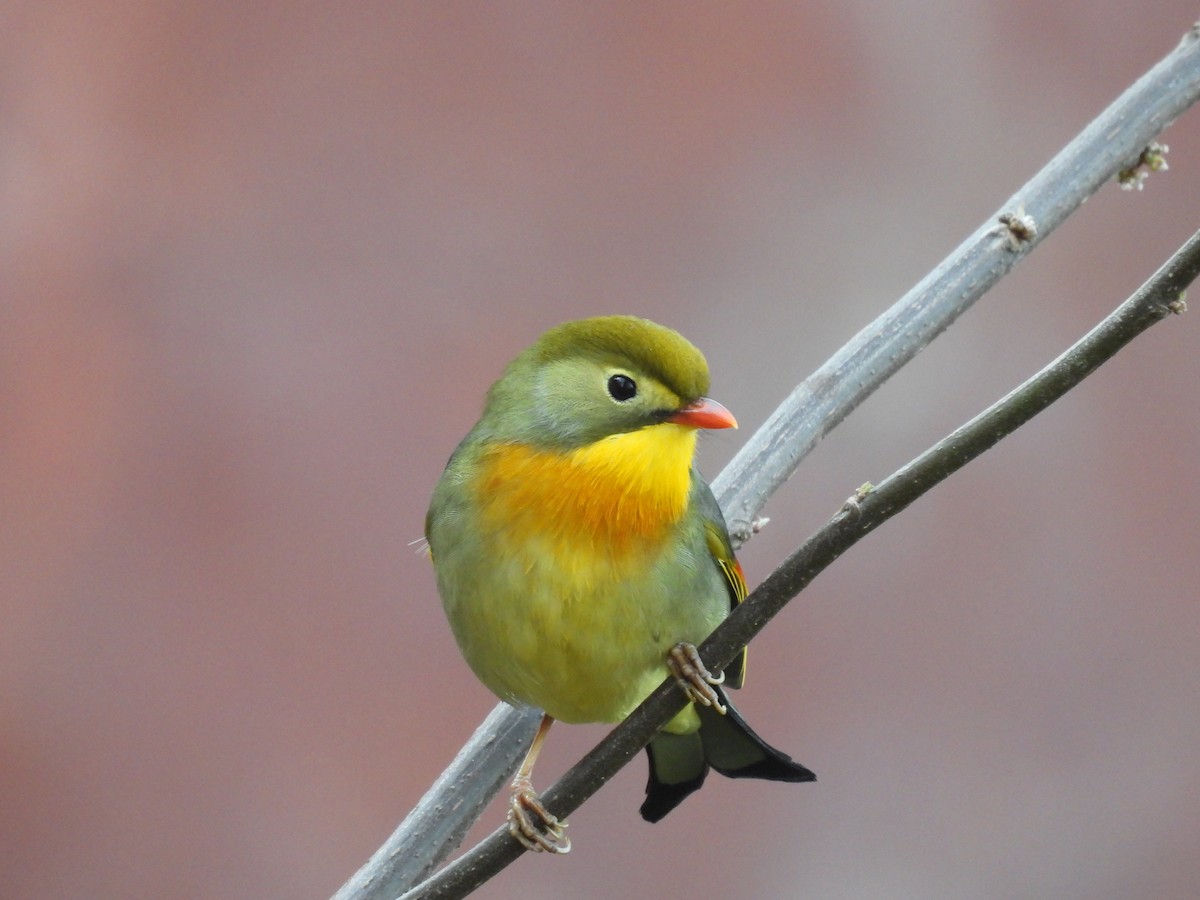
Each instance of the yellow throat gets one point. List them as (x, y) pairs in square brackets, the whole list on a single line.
[(615, 496)]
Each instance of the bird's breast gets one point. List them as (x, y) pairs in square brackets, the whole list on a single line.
[(612, 501)]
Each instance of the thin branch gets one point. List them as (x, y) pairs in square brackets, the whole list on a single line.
[(433, 829), (1155, 300), (1161, 296), (1114, 141)]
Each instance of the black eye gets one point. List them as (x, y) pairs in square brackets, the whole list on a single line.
[(622, 388)]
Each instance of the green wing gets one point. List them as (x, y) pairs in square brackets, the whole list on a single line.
[(716, 534)]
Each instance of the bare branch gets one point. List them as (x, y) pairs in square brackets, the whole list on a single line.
[(1161, 296), (1111, 143), (434, 828)]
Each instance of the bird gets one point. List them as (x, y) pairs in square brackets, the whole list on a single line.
[(580, 556)]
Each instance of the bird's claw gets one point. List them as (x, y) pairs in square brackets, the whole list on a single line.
[(693, 678), (532, 824)]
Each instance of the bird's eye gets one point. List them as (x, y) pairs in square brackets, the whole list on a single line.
[(622, 388)]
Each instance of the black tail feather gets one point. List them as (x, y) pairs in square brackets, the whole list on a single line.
[(680, 762)]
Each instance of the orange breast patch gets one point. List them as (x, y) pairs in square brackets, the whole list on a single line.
[(614, 497)]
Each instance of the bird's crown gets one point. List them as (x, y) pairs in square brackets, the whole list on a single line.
[(652, 348)]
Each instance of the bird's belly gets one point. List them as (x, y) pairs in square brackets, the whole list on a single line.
[(585, 642)]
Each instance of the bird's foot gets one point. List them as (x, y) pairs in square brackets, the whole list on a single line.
[(693, 678), (531, 823)]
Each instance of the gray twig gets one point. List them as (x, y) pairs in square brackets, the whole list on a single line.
[(1113, 143), (449, 808)]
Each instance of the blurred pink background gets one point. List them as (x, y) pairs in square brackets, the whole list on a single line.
[(258, 264)]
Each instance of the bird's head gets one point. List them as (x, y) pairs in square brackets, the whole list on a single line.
[(593, 378)]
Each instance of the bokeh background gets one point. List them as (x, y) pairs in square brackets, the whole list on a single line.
[(258, 264)]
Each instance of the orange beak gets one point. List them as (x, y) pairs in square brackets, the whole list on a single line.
[(704, 413)]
